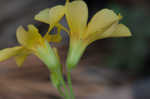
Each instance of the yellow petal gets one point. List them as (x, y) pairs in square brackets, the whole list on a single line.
[(43, 16), (9, 52), (28, 38), (107, 33), (20, 58), (55, 14), (33, 29), (51, 15), (77, 16), (101, 21), (115, 30), (121, 31)]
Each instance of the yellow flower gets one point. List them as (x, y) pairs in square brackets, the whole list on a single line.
[(31, 43), (104, 24)]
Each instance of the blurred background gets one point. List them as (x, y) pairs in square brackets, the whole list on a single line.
[(115, 68)]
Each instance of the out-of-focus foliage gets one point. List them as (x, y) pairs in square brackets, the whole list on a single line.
[(132, 53)]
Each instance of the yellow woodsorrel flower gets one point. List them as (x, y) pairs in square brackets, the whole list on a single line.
[(104, 24), (32, 43)]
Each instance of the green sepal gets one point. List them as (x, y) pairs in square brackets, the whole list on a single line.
[(49, 57), (76, 50)]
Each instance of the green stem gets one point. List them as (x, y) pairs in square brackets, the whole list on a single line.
[(70, 84), (64, 86), (61, 92)]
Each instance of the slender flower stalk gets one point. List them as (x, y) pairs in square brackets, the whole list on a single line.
[(70, 84)]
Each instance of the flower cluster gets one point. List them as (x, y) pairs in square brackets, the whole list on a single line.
[(104, 24)]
